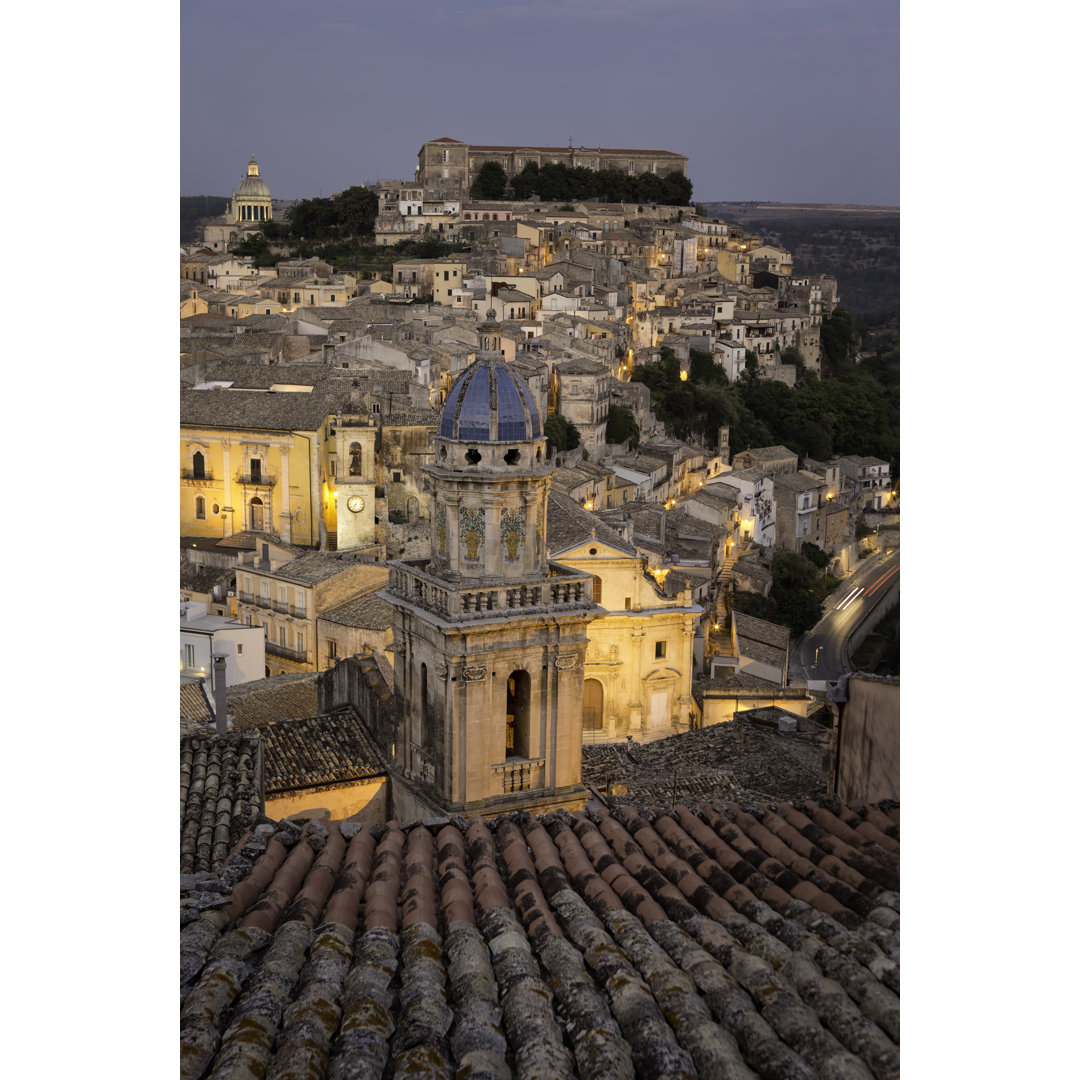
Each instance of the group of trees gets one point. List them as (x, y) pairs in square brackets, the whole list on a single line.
[(799, 588), (351, 213), (853, 408), (556, 182)]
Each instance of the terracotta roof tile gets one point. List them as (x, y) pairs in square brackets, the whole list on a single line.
[(607, 942)]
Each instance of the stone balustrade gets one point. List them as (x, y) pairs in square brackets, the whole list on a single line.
[(466, 601), (520, 774)]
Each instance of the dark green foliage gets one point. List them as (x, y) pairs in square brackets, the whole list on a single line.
[(257, 246), (562, 433), (490, 182), (795, 599), (621, 426), (351, 213), (857, 411), (838, 342), (814, 554), (195, 209), (556, 182)]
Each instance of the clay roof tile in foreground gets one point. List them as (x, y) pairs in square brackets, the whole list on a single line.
[(618, 941)]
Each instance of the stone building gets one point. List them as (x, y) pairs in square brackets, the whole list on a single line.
[(249, 208), (448, 165), (489, 637)]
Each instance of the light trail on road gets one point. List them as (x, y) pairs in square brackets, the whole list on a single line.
[(850, 598), (881, 580)]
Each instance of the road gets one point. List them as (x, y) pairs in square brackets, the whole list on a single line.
[(820, 653)]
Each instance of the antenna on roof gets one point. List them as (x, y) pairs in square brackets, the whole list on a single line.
[(570, 145)]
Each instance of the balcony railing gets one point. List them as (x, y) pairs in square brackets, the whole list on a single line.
[(263, 479), (520, 774), (300, 656), (206, 475), (300, 612), (564, 589), (280, 606), (245, 597)]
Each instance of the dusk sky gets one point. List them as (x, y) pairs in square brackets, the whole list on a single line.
[(781, 100)]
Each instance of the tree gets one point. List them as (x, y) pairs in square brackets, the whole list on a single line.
[(526, 182), (490, 182), (812, 552), (562, 433), (621, 426), (356, 208)]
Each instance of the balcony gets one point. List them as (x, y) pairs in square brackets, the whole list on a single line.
[(260, 479), (281, 607), (204, 476), (564, 589), (245, 597), (520, 774), (298, 656)]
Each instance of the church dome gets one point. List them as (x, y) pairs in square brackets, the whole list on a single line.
[(253, 186), (489, 403)]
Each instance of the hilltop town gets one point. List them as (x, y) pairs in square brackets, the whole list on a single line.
[(490, 606), (310, 410)]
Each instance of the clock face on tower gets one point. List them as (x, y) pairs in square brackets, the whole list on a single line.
[(355, 503)]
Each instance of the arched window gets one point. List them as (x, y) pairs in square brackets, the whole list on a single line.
[(198, 465), (200, 508), (355, 466)]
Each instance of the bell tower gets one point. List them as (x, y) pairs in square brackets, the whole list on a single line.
[(489, 636)]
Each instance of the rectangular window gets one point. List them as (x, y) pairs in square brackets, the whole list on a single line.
[(301, 601), (266, 590), (331, 650), (299, 641), (627, 604), (333, 467), (189, 656), (397, 477), (661, 650), (281, 636), (239, 649)]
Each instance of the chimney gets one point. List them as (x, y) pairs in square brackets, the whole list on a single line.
[(219, 693)]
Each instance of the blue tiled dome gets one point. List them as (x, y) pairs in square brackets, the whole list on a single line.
[(489, 403)]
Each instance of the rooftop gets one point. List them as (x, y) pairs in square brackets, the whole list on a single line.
[(727, 940), (219, 796), (317, 751)]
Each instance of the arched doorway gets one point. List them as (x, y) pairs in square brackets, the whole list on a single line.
[(257, 514), (517, 714), (592, 709)]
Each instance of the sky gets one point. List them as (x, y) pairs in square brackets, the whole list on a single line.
[(771, 100)]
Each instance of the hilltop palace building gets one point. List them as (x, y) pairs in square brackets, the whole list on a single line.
[(450, 164)]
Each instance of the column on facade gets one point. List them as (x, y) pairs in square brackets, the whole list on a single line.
[(564, 759), (636, 708), (286, 507), (687, 666), (226, 472)]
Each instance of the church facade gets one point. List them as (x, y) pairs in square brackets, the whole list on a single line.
[(490, 637)]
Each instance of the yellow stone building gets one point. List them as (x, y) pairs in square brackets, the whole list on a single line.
[(640, 658)]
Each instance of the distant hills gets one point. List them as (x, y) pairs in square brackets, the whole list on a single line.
[(196, 208), (858, 245)]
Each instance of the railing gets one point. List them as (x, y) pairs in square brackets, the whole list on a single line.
[(245, 597), (300, 612), (280, 606), (519, 774), (261, 601), (191, 474), (563, 589), (262, 480), (300, 656)]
